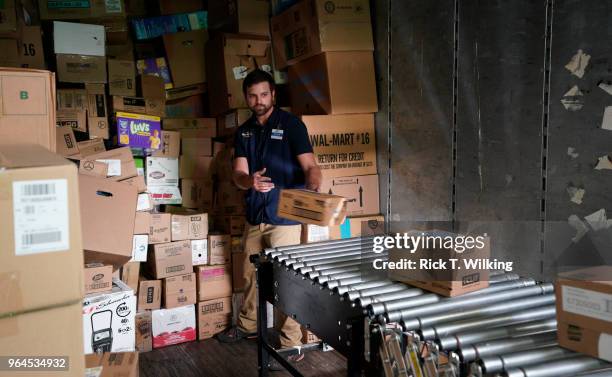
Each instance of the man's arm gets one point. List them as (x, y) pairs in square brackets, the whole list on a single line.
[(311, 171), (243, 180)]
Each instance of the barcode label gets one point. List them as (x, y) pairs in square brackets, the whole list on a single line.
[(40, 213), (588, 303), (38, 189)]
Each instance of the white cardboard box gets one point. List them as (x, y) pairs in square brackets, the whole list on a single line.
[(139, 248), (78, 39), (174, 326), (144, 202), (199, 252), (162, 171), (109, 320)]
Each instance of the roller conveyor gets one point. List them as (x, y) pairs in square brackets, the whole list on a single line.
[(390, 328)]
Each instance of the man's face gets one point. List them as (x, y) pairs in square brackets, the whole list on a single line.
[(260, 98)]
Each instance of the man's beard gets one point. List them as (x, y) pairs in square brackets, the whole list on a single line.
[(261, 109)]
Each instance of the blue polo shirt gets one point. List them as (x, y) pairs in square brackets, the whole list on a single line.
[(275, 146)]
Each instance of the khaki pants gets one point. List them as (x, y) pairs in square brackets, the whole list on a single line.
[(256, 238)]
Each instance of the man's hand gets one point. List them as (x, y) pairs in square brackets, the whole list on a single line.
[(261, 183)]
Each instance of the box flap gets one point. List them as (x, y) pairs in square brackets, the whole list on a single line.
[(29, 155)]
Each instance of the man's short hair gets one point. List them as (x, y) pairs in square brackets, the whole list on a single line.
[(255, 77)]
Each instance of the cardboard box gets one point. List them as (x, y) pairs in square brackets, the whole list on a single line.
[(31, 48), (138, 182), (361, 193), (66, 144), (165, 195), (312, 207), (139, 248), (126, 168), (228, 124), (240, 16), (151, 27), (28, 102), (449, 281), (123, 51), (229, 58), (108, 320), (195, 167), (309, 337), (138, 131), (41, 237), (189, 226), (130, 275), (81, 68), (185, 53), (121, 77), (160, 228), (343, 145), (189, 107), (224, 165), (173, 326), (583, 315), (315, 233), (98, 278), (199, 252), (334, 83), (75, 119), (144, 334), (91, 147), (142, 223), (170, 259), (72, 108), (229, 199), (78, 39), (237, 244), (69, 10), (97, 115), (149, 294), (214, 281), (154, 67), (43, 332), (207, 127), (179, 290), (93, 168), (197, 193), (174, 7), (11, 52), (162, 171), (238, 280), (150, 107), (185, 91), (8, 17), (197, 146), (108, 209), (143, 203), (124, 364), (115, 29), (214, 316), (219, 249), (358, 227), (151, 86), (233, 225), (314, 26), (170, 144)]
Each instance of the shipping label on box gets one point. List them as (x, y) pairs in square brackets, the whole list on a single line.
[(173, 326), (98, 278), (189, 226), (165, 195), (179, 290), (109, 320), (149, 294), (343, 145), (170, 259), (199, 252), (160, 228), (361, 193), (214, 316), (139, 131), (315, 233), (139, 251), (162, 171), (144, 334), (214, 281), (220, 249)]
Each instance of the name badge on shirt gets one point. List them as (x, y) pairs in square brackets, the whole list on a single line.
[(277, 134)]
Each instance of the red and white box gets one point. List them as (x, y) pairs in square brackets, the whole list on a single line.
[(174, 326)]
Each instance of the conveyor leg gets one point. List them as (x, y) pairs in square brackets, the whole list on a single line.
[(263, 358)]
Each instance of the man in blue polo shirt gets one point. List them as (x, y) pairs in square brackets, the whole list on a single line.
[(272, 152)]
